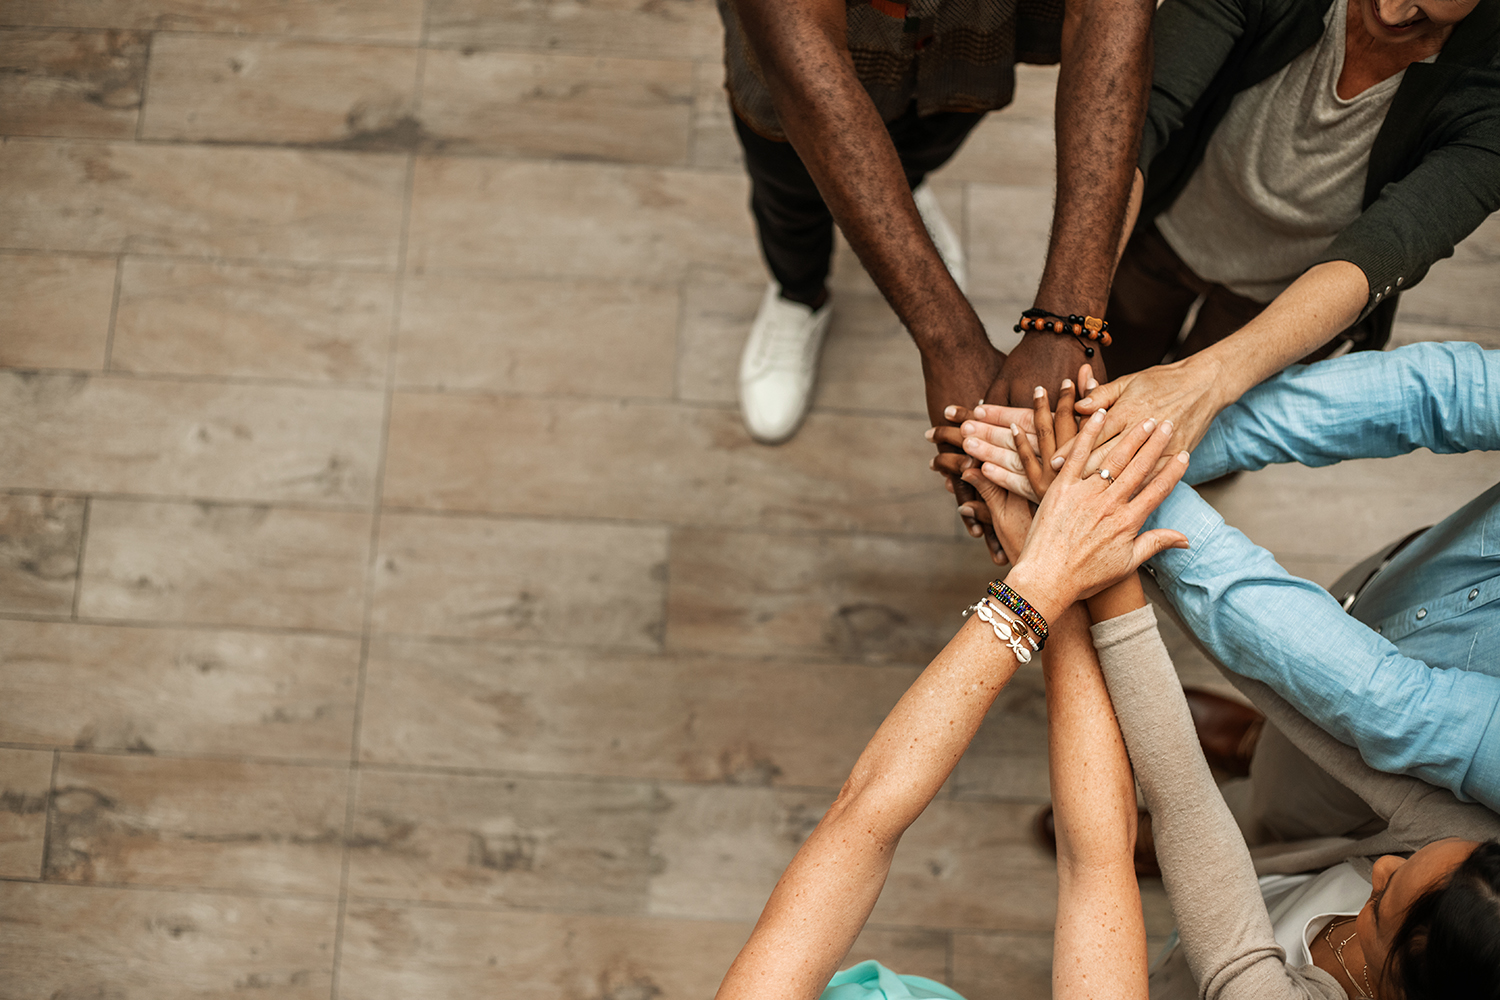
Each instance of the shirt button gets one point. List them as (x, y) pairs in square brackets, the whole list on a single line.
[(1387, 289), (1398, 282), (1421, 614), (1473, 593)]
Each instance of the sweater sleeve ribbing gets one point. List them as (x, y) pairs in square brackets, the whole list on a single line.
[(1222, 922)]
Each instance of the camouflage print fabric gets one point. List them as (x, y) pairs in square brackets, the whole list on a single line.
[(947, 55)]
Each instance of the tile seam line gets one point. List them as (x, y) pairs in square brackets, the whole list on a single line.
[(228, 33), (83, 548), (258, 263), (392, 768), (180, 378), (398, 292), (480, 908), (47, 821), (327, 763), (420, 41), (792, 660), (179, 500), (238, 893), (747, 920)]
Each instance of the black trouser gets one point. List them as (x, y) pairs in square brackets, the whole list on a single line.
[(795, 226), (1153, 292)]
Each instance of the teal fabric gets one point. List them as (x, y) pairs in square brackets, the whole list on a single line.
[(873, 981)]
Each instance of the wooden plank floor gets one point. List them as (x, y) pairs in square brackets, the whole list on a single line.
[(391, 603)]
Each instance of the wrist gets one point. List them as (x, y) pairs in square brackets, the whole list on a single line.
[(1041, 587), (1225, 380), (956, 347)]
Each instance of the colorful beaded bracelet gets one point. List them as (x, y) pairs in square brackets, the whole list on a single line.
[(1028, 615), (1090, 327)]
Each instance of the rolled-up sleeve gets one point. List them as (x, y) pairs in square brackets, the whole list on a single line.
[(1445, 397), (1402, 715)]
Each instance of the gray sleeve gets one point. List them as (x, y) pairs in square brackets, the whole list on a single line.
[(1416, 813), (1221, 917)]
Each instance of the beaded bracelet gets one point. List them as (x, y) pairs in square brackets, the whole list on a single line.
[(1029, 615), (1079, 326), (1007, 631)]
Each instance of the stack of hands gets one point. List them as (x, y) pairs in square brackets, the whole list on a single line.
[(1012, 456), (982, 438), (1094, 495)]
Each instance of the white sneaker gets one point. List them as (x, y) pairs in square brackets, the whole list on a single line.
[(779, 365), (949, 247)]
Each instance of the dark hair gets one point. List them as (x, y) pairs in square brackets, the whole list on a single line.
[(1448, 947)]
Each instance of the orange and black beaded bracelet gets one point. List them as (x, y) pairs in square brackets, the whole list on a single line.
[(1082, 327)]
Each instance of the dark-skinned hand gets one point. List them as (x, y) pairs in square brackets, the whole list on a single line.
[(961, 382), (1040, 359)]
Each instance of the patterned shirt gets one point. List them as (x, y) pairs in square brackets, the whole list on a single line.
[(945, 55)]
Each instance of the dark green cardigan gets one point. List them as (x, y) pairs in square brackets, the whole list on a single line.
[(1434, 169)]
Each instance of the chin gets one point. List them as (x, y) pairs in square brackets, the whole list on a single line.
[(1382, 32)]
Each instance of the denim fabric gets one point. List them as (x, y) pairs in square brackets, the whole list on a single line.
[(1411, 677)]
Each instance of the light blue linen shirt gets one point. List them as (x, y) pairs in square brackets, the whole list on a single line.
[(1412, 677)]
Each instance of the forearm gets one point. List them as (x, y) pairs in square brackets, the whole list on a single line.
[(1314, 309), (1101, 104), (1100, 933), (1364, 405), (1206, 867), (823, 899), (1402, 715), (830, 120)]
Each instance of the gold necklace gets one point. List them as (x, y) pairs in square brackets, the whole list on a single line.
[(1368, 993)]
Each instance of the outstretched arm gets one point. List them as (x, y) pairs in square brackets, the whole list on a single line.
[(803, 52), (1102, 90), (825, 896), (1372, 404), (1221, 917), (1402, 715), (1325, 300), (1099, 946), (1085, 537)]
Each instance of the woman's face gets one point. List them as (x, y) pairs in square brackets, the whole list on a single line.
[(1399, 22), (1397, 883)]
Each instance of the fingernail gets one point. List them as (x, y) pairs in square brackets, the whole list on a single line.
[(1057, 462), (1015, 429), (980, 403), (951, 413), (1182, 457), (1038, 392), (979, 411), (930, 433), (1098, 417), (1085, 399), (1093, 385), (932, 463), (1148, 426), (975, 530), (969, 427), (1067, 383), (1166, 426)]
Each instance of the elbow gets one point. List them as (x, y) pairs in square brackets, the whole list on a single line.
[(858, 814)]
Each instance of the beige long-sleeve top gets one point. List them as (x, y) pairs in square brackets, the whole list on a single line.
[(1222, 922)]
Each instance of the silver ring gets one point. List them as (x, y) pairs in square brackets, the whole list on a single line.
[(1104, 475)]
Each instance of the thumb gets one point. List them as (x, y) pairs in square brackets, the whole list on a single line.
[(1150, 544), (988, 491), (1102, 396)]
